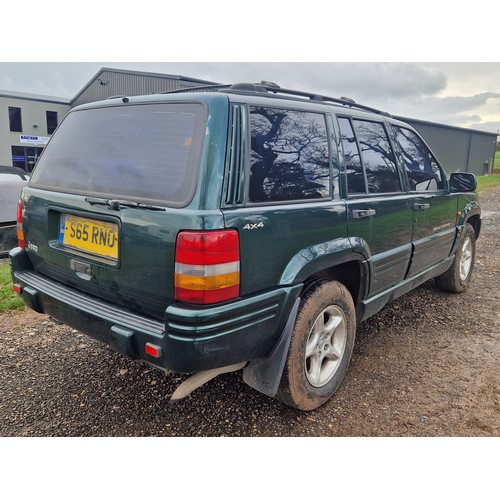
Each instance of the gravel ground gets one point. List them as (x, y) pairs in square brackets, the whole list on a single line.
[(427, 365)]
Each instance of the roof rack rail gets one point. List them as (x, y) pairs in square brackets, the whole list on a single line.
[(265, 87), (344, 101), (199, 88)]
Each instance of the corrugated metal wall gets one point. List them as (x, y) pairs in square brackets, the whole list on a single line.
[(458, 149), (482, 150), (112, 83)]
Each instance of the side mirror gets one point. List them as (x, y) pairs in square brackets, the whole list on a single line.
[(461, 182)]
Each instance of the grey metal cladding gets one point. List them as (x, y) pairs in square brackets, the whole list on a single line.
[(458, 149)]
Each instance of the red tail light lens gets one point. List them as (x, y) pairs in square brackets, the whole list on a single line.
[(207, 266), (20, 232)]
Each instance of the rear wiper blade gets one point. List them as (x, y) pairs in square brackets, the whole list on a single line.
[(117, 204)]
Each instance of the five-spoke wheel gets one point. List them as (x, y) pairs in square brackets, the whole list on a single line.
[(320, 347)]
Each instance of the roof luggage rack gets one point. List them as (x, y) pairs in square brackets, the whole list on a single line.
[(265, 87), (201, 88)]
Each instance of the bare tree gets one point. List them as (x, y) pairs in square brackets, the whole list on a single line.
[(290, 157)]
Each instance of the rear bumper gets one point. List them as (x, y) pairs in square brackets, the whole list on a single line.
[(190, 340)]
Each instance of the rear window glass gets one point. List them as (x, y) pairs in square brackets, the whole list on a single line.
[(140, 152)]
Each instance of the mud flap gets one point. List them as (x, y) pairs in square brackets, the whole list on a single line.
[(264, 374)]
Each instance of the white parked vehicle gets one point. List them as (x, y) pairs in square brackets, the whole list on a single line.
[(12, 180)]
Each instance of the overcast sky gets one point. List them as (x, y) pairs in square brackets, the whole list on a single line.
[(192, 34), (463, 94)]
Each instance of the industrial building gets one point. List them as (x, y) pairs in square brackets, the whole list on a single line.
[(26, 124), (27, 121), (458, 149)]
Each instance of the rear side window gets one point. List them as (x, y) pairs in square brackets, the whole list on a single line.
[(140, 152), (424, 173), (369, 159), (355, 177), (290, 157)]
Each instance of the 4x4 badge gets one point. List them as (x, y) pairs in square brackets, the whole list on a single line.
[(257, 225)]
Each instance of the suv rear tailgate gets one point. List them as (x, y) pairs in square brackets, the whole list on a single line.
[(103, 207), (137, 273)]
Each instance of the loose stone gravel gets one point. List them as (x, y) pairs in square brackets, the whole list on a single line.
[(426, 365)]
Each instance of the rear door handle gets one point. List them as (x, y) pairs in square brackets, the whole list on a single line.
[(421, 206), (360, 214)]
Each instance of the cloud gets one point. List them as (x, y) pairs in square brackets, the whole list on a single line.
[(489, 126), (465, 111), (364, 82), (49, 79), (464, 103), (415, 90)]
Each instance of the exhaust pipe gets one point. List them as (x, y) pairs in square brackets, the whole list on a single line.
[(198, 379)]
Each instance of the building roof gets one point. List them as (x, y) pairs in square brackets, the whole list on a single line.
[(34, 97)]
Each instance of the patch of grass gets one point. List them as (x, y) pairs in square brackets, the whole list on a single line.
[(9, 301), (487, 181)]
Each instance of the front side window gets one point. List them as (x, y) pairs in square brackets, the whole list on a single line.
[(424, 173), (289, 157), (377, 157), (15, 121)]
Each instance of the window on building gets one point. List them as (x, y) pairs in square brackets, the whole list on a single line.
[(290, 157), (19, 157), (25, 158), (424, 173), (15, 119), (51, 121)]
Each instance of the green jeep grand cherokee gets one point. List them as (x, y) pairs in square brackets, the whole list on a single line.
[(238, 227)]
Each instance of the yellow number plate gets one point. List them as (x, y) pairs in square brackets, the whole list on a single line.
[(91, 236)]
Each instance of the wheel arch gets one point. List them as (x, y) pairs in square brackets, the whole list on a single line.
[(475, 222), (331, 261), (470, 213), (351, 274)]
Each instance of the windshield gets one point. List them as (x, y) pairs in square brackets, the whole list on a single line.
[(137, 152)]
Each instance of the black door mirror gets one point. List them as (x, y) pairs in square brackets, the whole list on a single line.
[(461, 182)]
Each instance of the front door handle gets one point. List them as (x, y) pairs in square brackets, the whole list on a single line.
[(360, 214), (421, 206)]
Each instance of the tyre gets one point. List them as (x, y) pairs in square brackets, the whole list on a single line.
[(457, 277), (320, 348)]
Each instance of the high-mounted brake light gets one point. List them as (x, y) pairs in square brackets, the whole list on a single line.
[(20, 232), (207, 266)]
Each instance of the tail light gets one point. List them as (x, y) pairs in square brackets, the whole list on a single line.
[(207, 266), (20, 232)]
